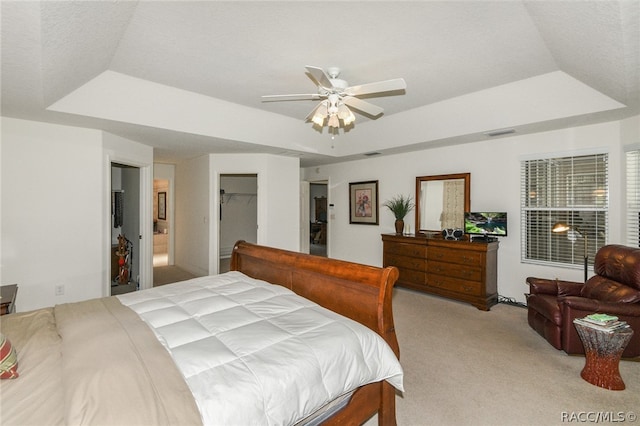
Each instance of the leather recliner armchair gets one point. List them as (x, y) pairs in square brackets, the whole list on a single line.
[(615, 289)]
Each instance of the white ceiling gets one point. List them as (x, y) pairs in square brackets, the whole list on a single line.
[(186, 76)]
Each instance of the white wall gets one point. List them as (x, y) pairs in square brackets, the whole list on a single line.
[(52, 210), (56, 202), (495, 186), (192, 197), (198, 198)]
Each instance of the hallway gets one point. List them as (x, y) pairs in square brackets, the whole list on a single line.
[(169, 274)]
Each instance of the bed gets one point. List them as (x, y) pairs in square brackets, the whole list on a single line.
[(227, 349)]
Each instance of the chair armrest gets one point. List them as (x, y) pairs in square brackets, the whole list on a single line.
[(592, 306), (554, 287)]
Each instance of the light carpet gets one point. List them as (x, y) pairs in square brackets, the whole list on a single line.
[(169, 274), (464, 366)]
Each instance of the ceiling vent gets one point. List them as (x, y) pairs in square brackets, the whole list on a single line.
[(371, 154), (500, 132)]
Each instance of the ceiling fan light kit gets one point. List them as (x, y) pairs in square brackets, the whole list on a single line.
[(337, 97)]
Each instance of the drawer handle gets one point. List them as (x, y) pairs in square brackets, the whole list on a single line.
[(467, 288)]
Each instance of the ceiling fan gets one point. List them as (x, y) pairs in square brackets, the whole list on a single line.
[(337, 96)]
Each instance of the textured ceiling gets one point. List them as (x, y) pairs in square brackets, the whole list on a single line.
[(237, 51)]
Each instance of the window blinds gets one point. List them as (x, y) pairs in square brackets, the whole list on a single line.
[(572, 190), (633, 198)]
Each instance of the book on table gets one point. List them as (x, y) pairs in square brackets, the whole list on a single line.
[(600, 318), (603, 322)]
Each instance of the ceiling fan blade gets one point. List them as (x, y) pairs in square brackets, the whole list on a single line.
[(364, 106), (295, 97), (320, 76), (380, 86)]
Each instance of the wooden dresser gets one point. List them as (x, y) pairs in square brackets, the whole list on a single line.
[(460, 270)]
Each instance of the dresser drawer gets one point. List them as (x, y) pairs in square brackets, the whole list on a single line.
[(412, 277), (472, 288), (464, 257), (465, 272), (411, 250), (402, 262), (453, 284)]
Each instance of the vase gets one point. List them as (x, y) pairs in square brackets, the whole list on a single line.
[(399, 226)]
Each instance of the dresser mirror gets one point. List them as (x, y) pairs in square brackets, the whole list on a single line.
[(441, 201)]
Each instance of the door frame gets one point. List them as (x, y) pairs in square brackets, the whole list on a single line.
[(146, 224), (305, 216), (305, 209), (167, 172)]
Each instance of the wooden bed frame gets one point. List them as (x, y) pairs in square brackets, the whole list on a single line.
[(362, 293)]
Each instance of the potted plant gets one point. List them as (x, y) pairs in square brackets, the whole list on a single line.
[(400, 206)]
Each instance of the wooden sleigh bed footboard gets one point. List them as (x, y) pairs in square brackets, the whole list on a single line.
[(360, 292)]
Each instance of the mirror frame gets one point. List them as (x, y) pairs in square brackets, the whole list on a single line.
[(467, 195)]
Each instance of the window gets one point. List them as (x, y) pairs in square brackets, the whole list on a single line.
[(572, 190), (633, 198)]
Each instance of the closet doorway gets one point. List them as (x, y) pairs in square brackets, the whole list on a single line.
[(238, 214), (318, 211), (125, 228)]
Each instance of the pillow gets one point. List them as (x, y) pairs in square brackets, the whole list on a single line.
[(8, 359)]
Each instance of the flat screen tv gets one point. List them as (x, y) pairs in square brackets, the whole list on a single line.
[(486, 224)]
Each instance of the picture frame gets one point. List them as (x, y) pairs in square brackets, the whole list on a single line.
[(363, 202), (162, 205)]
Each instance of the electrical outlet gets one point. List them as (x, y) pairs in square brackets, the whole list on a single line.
[(60, 290)]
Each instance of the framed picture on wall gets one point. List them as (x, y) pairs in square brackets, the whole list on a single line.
[(162, 205), (363, 202)]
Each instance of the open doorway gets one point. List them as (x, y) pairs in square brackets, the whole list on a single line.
[(318, 211), (125, 228), (238, 214), (161, 224)]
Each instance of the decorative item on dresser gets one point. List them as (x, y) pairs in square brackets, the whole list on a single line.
[(400, 206), (460, 270)]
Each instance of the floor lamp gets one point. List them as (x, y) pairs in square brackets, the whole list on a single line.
[(563, 227)]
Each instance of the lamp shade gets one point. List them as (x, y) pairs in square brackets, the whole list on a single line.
[(560, 227)]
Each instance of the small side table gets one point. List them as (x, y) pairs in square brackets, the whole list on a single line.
[(603, 351), (8, 298)]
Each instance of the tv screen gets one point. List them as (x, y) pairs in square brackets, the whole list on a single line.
[(486, 223)]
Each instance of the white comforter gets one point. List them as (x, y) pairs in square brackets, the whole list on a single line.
[(256, 353)]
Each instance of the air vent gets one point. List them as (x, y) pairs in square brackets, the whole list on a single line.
[(371, 154), (500, 132)]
